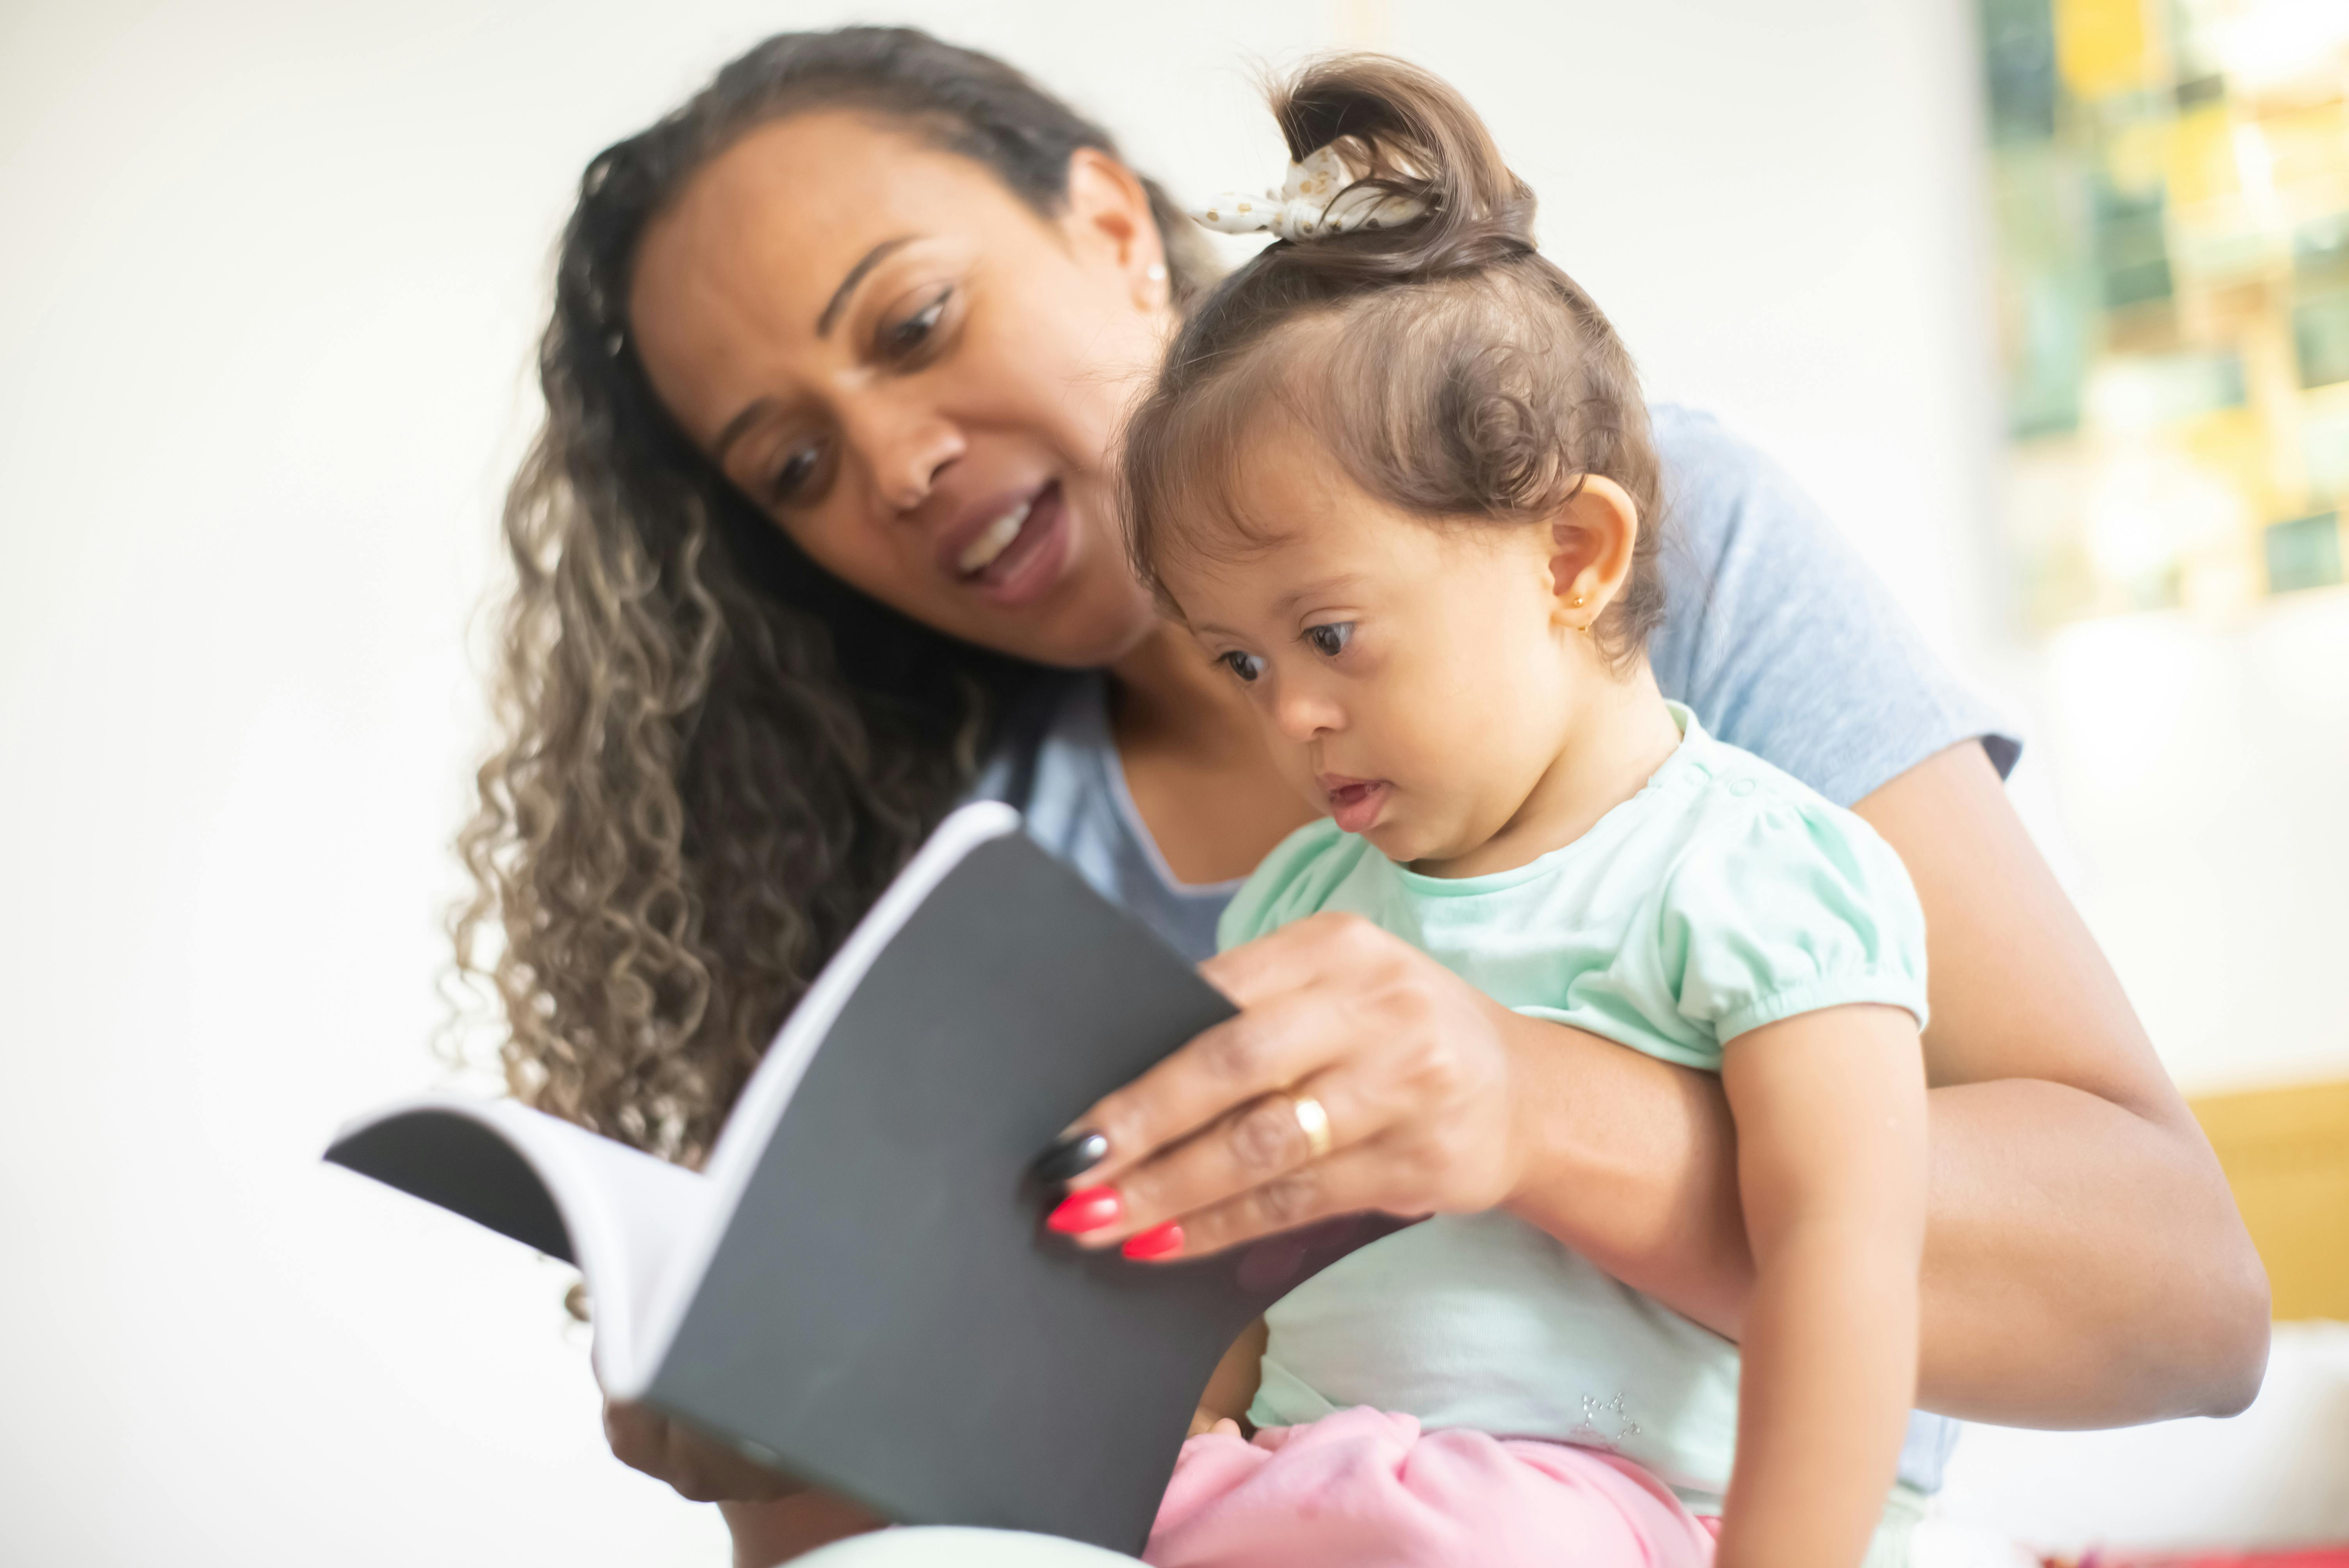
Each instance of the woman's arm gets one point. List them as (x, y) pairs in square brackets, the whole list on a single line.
[(2083, 1262), (771, 1517), (767, 1533), (1830, 1112)]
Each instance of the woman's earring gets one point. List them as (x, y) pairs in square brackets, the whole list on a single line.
[(1576, 602), (1157, 273)]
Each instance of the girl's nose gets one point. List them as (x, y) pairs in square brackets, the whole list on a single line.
[(1302, 713)]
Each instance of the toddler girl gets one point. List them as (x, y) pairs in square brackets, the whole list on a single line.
[(1396, 477)]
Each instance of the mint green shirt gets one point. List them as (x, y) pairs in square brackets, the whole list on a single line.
[(1724, 896)]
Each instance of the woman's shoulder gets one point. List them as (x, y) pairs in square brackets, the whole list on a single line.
[(1297, 879), (1780, 637)]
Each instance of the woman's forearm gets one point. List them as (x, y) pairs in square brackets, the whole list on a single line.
[(1632, 1162), (2083, 1265)]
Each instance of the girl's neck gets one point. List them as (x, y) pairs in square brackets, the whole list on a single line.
[(1622, 733)]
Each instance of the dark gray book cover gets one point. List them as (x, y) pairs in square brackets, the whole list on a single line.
[(859, 1290)]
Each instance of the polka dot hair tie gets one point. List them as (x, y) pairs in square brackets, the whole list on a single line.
[(1321, 198)]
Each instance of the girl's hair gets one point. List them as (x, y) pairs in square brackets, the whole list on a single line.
[(1442, 362), (714, 754)]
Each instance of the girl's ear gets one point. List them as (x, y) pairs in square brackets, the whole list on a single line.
[(1109, 218), (1592, 540)]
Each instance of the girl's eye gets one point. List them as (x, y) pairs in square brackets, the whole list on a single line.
[(1330, 641), (907, 335), (794, 474), (1247, 666)]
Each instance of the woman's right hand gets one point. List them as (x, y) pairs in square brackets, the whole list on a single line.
[(700, 1469)]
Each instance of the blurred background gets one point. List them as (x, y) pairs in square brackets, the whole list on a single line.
[(2047, 300)]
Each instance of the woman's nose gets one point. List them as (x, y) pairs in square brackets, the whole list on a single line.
[(908, 451)]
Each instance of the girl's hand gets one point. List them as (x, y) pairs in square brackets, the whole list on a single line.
[(700, 1470), (1414, 1068)]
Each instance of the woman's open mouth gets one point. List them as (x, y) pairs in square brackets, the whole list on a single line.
[(1355, 803), (1017, 555)]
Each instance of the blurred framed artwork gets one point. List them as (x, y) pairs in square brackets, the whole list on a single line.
[(2171, 188)]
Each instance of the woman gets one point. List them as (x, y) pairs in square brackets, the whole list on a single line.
[(817, 539)]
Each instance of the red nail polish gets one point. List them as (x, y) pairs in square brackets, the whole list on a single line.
[(1087, 1211), (1158, 1242)]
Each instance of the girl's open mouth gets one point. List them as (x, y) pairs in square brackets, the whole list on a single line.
[(1355, 803)]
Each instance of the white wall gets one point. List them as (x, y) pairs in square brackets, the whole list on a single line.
[(269, 280)]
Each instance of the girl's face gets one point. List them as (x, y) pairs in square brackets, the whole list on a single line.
[(915, 375), (1416, 681)]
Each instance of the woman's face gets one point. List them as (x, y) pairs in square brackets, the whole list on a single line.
[(915, 376)]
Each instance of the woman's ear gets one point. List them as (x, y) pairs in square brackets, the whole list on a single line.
[(1592, 542), (1109, 217)]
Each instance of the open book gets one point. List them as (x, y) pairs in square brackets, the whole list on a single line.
[(857, 1288)]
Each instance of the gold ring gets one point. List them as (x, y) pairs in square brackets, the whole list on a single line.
[(1312, 1120)]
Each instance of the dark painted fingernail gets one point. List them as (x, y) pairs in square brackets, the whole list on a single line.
[(1158, 1242), (1075, 1155), (1087, 1211)]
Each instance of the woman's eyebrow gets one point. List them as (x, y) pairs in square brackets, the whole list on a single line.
[(871, 258), (737, 428)]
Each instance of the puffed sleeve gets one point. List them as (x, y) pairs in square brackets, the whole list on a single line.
[(1788, 907)]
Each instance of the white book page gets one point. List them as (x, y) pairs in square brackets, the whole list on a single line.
[(627, 1213)]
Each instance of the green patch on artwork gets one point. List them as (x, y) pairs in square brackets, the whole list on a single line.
[(2320, 337), (2305, 553)]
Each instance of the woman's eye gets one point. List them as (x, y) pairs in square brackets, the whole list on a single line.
[(1330, 641), (1247, 666), (794, 474), (904, 337)]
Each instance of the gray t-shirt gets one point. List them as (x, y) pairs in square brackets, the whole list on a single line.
[(1774, 632)]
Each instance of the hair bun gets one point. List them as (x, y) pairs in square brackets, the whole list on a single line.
[(1405, 130)]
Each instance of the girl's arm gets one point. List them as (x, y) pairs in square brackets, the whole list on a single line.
[(2084, 1263), (1830, 1110)]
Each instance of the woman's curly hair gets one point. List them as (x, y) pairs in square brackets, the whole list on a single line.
[(713, 754)]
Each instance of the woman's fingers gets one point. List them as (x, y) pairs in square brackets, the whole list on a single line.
[(1269, 1047), (1409, 1063), (1348, 1182), (1256, 1144)]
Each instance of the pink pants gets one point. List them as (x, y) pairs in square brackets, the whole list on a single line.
[(1366, 1488)]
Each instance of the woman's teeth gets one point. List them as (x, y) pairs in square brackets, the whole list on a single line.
[(993, 540)]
